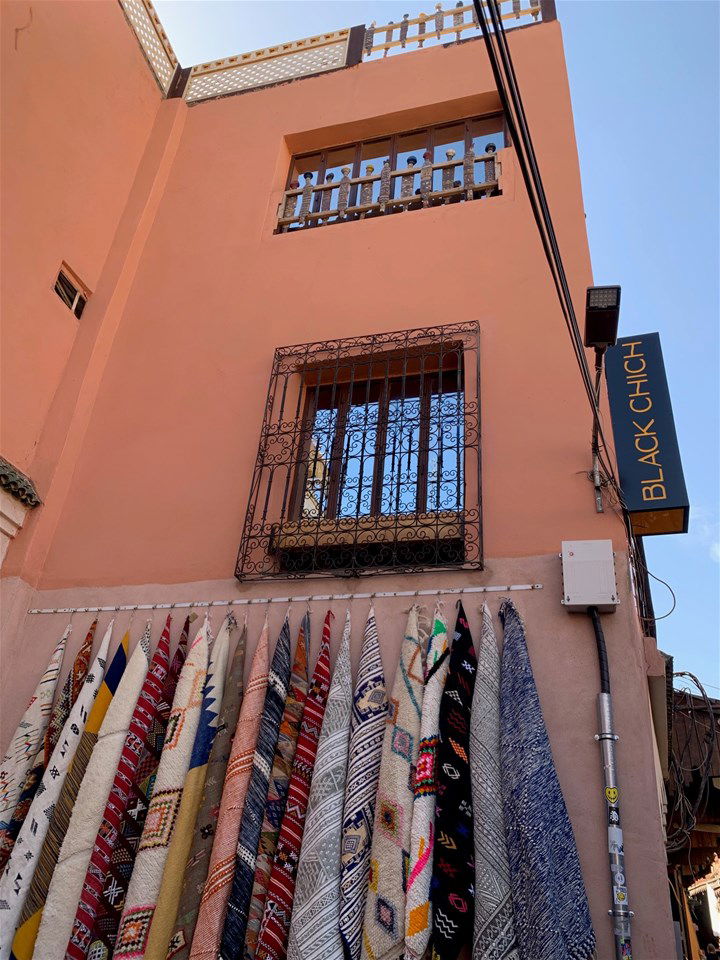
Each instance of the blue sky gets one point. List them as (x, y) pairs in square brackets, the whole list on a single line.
[(644, 82)]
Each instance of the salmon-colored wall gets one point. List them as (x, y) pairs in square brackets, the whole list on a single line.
[(78, 103), (150, 431), (161, 479)]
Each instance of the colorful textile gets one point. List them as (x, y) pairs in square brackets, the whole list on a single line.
[(32, 911), (17, 877), (384, 927), (494, 936), (211, 915), (278, 786), (272, 942), (91, 925), (233, 936), (552, 917), (367, 728), (28, 736), (69, 692), (453, 876), (112, 900), (315, 927), (196, 867), (172, 878), (418, 916), (144, 886), (60, 712), (67, 880)]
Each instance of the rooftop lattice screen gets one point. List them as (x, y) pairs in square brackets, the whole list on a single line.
[(310, 56)]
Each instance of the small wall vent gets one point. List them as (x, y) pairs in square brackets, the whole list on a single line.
[(71, 290)]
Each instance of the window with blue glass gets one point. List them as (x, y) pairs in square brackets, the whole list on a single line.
[(369, 457)]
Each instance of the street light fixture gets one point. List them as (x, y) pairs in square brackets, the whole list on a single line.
[(602, 313)]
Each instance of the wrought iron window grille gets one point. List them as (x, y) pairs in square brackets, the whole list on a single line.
[(369, 458)]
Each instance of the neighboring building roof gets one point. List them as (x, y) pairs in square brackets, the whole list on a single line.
[(17, 484)]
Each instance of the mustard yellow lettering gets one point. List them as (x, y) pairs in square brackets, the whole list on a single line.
[(650, 458), (636, 391), (632, 344), (645, 400), (653, 440), (658, 479), (644, 431), (648, 493), (638, 369)]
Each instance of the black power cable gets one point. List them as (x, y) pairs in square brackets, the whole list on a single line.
[(601, 649), (517, 124)]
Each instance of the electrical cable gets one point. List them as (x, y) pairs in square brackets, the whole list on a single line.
[(528, 164), (685, 812), (594, 615), (512, 103)]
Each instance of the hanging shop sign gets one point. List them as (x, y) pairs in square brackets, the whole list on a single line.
[(651, 474)]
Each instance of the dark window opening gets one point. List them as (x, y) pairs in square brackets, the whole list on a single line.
[(73, 293), (369, 457)]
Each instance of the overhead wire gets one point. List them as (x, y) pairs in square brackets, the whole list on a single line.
[(686, 810), (512, 103), (517, 123)]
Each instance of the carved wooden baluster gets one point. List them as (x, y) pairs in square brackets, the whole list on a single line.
[(473, 13), (385, 184), (439, 19), (326, 194), (422, 17), (469, 173), (291, 201), (448, 175), (290, 204), (407, 182), (307, 193), (404, 30), (366, 191), (389, 36), (343, 192), (490, 164), (458, 19), (426, 177), (369, 39), (516, 9)]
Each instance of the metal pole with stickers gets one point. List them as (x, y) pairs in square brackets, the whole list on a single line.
[(589, 586)]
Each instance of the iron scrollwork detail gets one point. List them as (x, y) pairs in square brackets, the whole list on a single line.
[(369, 458)]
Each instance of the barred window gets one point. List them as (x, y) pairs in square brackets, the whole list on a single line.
[(368, 457)]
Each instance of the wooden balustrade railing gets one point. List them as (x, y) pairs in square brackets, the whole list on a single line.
[(441, 23), (355, 194)]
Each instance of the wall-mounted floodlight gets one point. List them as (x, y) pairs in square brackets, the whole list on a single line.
[(602, 312)]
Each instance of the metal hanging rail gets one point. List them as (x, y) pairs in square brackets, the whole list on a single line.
[(379, 594)]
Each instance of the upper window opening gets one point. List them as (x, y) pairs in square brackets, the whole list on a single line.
[(368, 457), (432, 166), (71, 290)]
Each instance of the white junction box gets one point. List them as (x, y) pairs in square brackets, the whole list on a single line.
[(588, 568)]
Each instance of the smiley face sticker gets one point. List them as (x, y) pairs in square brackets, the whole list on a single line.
[(612, 795)]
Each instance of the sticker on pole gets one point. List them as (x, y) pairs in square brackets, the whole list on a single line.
[(612, 795), (615, 841), (620, 895)]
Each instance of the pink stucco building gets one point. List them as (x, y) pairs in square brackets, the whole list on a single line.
[(431, 432)]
